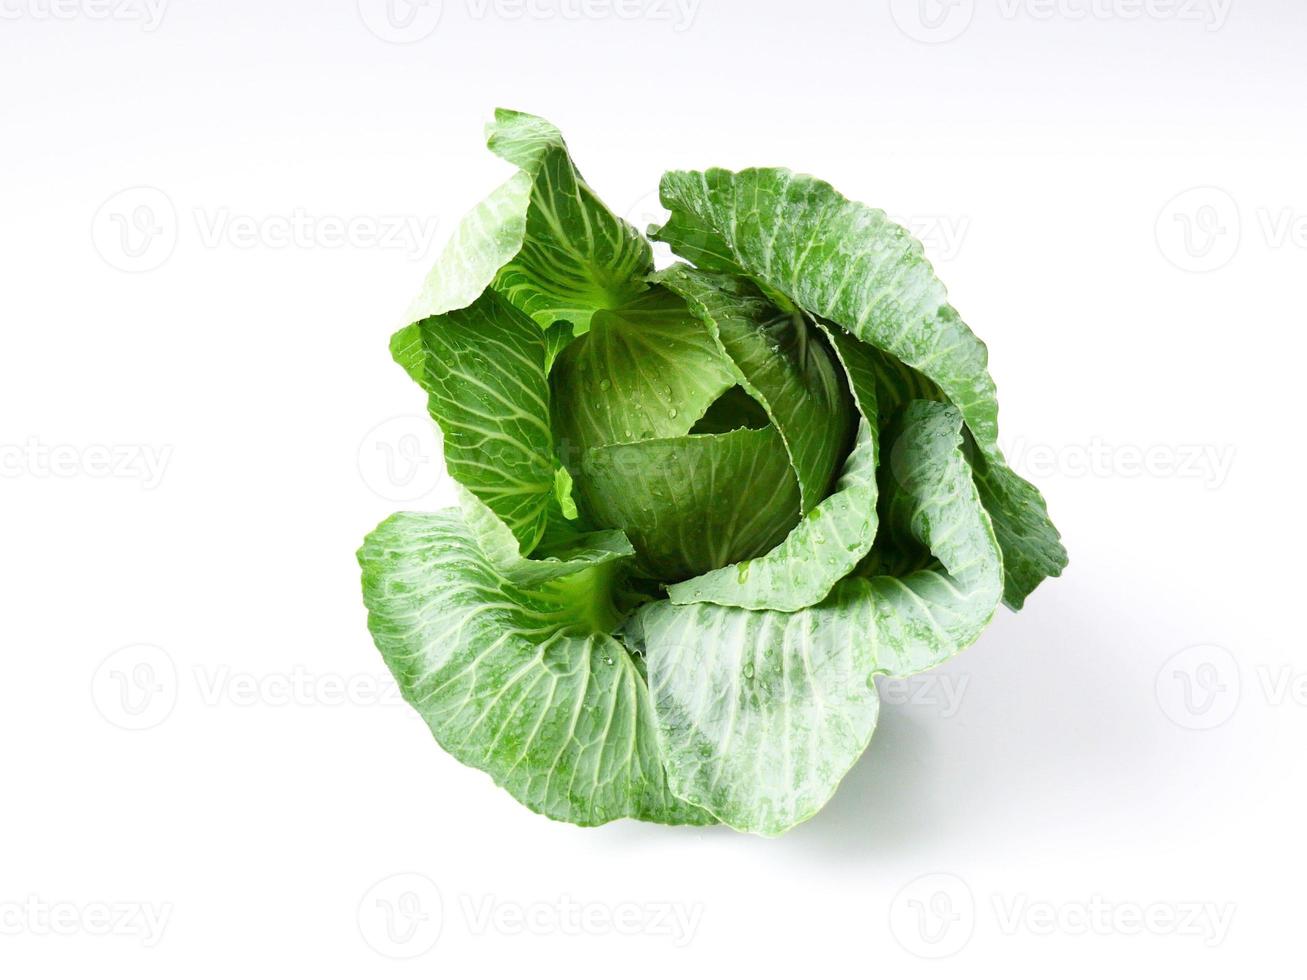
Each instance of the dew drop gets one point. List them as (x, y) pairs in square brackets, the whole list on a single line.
[(605, 384)]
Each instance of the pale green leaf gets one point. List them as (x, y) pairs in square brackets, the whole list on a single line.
[(486, 240), (523, 683), (761, 713), (576, 256), (562, 550), (1032, 548), (849, 264)]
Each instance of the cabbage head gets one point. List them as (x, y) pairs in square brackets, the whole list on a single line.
[(701, 508)]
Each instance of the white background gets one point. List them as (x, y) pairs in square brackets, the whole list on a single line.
[(191, 455)]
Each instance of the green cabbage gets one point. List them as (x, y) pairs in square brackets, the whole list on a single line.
[(702, 508)]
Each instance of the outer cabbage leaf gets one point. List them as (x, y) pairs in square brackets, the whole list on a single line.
[(545, 239), (563, 550), (523, 683), (849, 264), (546, 245), (485, 375), (761, 713), (486, 240), (1031, 548), (577, 256), (542, 238)]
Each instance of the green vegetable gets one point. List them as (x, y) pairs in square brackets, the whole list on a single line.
[(702, 508)]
